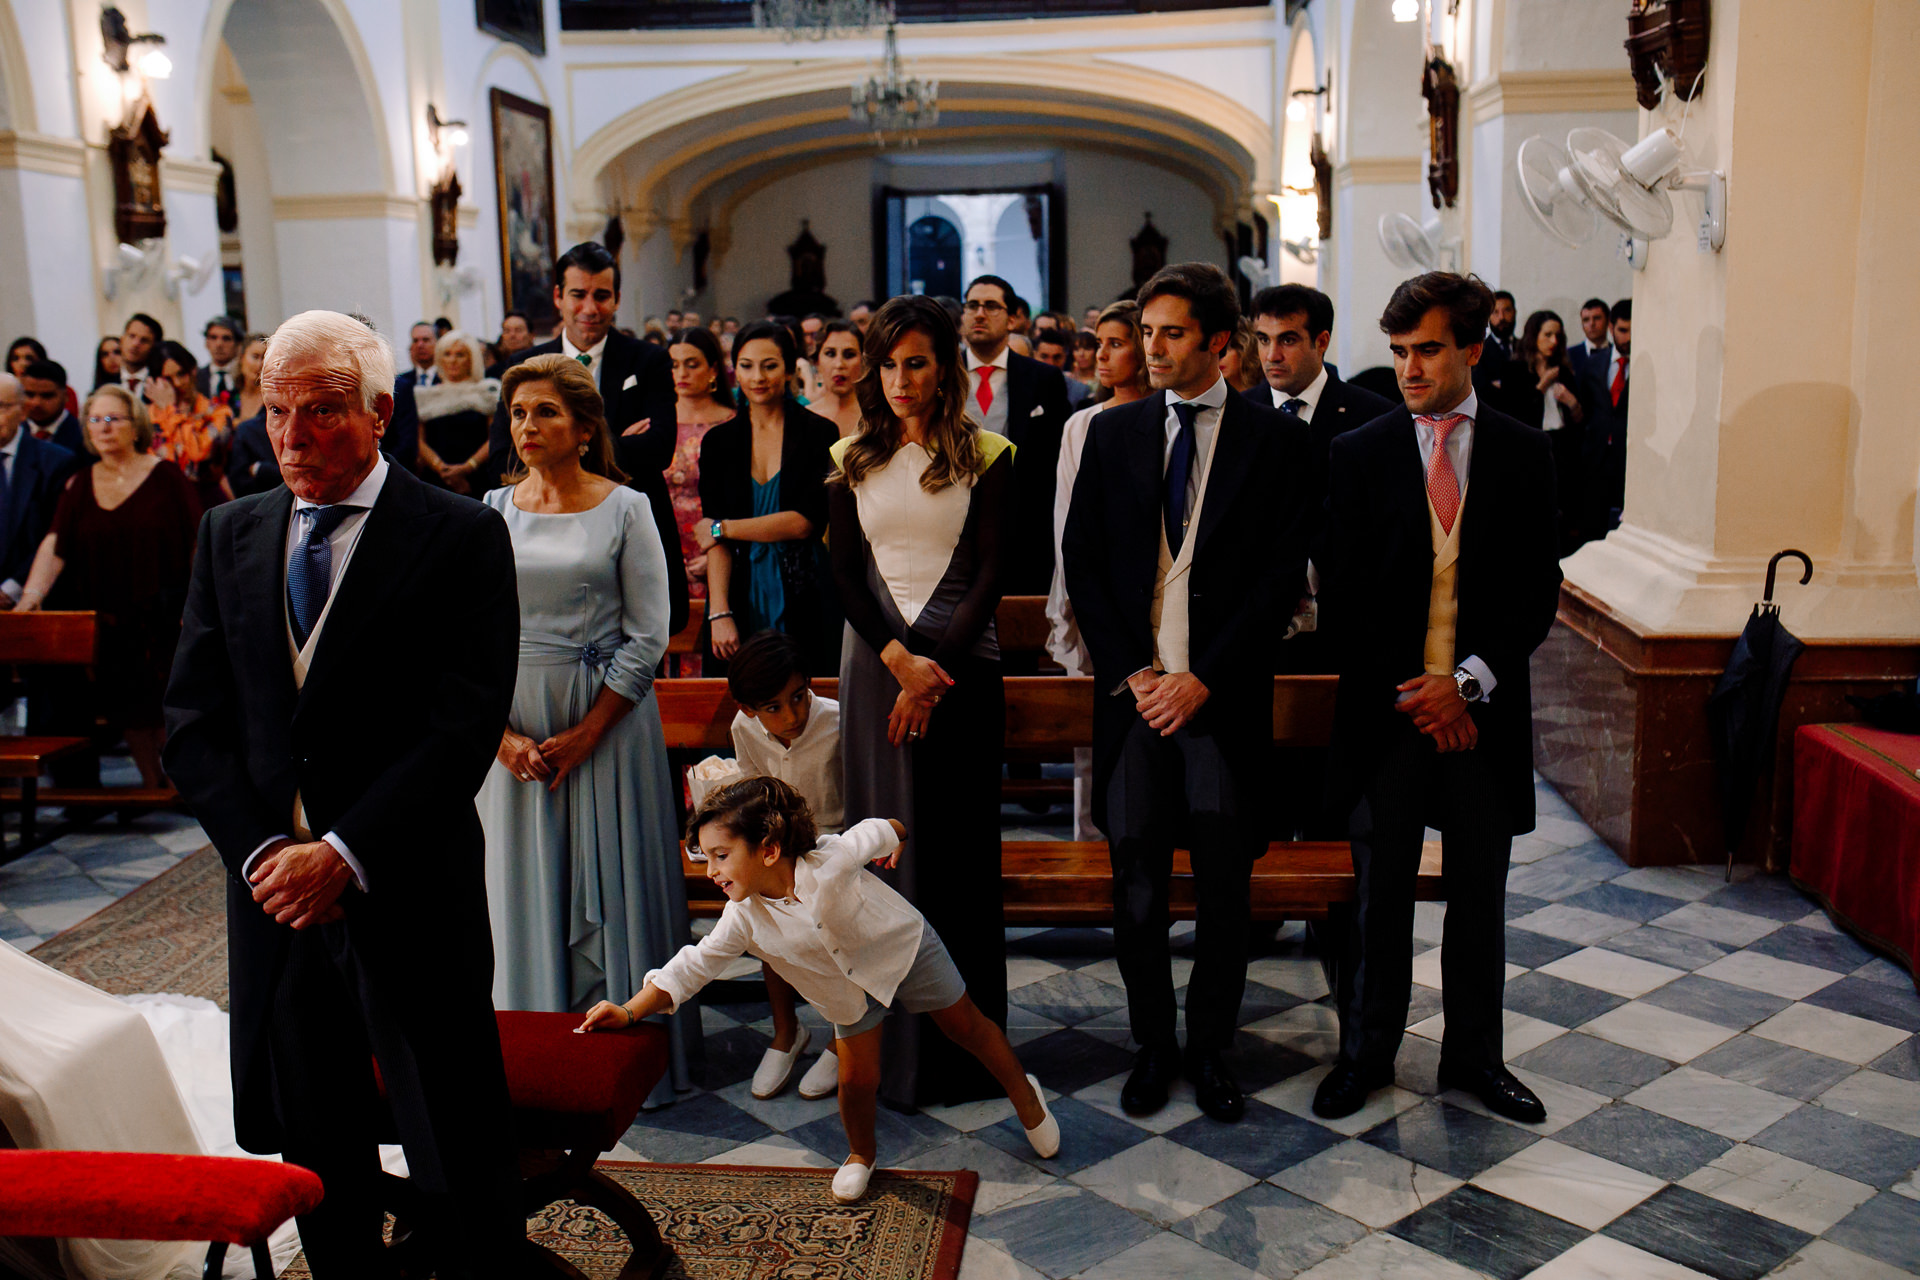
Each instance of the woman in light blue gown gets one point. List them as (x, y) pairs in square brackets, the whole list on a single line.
[(583, 868)]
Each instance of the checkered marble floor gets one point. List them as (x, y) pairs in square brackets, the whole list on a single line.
[(1732, 1088)]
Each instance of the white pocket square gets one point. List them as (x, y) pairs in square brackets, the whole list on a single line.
[(1037, 411), (633, 380)]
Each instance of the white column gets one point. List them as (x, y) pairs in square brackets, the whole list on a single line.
[(45, 253)]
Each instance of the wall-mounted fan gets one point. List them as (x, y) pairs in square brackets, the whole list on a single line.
[(1258, 274), (1412, 246), (191, 274), (134, 267), (1552, 194)]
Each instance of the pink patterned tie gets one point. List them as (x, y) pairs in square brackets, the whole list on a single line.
[(1443, 487)]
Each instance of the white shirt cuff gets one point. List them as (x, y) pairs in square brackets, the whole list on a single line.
[(1479, 671), (339, 847), (12, 589)]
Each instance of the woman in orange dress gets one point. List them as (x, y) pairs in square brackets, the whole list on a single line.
[(190, 430)]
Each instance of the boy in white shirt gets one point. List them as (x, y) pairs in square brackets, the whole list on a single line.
[(852, 946), (783, 730)]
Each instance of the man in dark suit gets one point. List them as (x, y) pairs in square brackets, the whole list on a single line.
[(337, 786), (1026, 401), (43, 386), (32, 474), (421, 370), (1604, 447), (1493, 376), (219, 377), (1595, 343), (1437, 561), (140, 353), (1184, 548), (636, 383)]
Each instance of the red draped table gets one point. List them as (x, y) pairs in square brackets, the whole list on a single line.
[(1856, 831)]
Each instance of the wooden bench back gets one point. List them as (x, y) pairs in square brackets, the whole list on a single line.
[(1021, 624), (1043, 712), (48, 639)]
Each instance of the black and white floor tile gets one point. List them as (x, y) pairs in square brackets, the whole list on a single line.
[(1732, 1087)]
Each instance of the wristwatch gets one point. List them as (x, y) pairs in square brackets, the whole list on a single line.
[(1467, 684), (714, 529)]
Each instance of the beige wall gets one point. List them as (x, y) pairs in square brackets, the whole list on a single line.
[(1764, 409)]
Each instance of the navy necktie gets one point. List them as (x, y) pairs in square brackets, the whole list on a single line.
[(1179, 468), (310, 571), (1294, 406)]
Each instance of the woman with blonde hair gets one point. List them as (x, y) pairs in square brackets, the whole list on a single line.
[(583, 863), (919, 509), (456, 413), (121, 545), (1240, 362)]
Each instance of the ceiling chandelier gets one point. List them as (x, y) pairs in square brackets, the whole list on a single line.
[(894, 102), (818, 19)]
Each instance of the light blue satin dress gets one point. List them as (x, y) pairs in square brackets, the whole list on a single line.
[(584, 886)]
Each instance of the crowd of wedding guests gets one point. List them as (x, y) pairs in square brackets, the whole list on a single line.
[(1187, 482)]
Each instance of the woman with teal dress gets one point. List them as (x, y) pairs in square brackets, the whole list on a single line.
[(584, 887), (764, 509)]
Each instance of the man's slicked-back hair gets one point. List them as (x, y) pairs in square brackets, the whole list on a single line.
[(337, 339), (1466, 299), (591, 257), (1007, 295), (1591, 303), (1212, 297), (1501, 295), (1277, 302), (1622, 310)]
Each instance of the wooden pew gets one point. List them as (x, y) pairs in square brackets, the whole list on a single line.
[(1055, 882), (40, 639)]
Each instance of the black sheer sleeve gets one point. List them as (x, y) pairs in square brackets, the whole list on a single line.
[(849, 543), (991, 512)]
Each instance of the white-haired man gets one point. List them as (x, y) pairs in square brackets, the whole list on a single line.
[(345, 664)]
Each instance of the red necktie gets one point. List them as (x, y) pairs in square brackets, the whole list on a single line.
[(1619, 387), (984, 392), (42, 434), (1443, 487)]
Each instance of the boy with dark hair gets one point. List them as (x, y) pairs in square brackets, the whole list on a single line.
[(784, 730)]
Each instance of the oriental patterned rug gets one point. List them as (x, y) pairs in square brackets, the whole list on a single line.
[(729, 1222), (170, 934)]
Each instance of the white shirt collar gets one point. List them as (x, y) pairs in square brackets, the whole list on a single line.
[(363, 495), (998, 362), (574, 353), (1468, 409), (1311, 393), (12, 447), (1213, 397)]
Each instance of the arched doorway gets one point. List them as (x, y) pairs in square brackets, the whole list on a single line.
[(1304, 117), (933, 257), (320, 222)]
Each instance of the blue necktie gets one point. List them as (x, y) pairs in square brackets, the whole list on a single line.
[(310, 571), (1179, 468)]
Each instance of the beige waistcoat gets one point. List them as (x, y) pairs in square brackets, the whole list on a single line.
[(1443, 601), (1172, 578)]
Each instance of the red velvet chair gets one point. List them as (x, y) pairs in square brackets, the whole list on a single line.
[(573, 1096), (131, 1195)]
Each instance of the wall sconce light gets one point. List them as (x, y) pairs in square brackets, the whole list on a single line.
[(454, 131), (1296, 105), (117, 44), (1406, 10)]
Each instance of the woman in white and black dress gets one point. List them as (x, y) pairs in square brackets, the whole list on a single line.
[(918, 509)]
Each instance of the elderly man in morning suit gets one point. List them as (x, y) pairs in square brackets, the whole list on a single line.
[(345, 665)]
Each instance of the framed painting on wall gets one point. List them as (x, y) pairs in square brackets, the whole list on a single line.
[(522, 21), (523, 183)]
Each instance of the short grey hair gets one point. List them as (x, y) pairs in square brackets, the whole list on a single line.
[(476, 354), (335, 339)]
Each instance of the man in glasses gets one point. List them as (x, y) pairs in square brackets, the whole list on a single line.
[(1025, 401)]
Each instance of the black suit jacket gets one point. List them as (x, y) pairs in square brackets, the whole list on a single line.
[(1493, 377), (1249, 566), (40, 472), (1037, 412), (253, 467), (1375, 558), (387, 754), (643, 457), (69, 434)]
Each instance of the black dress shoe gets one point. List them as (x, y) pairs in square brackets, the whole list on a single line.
[(1345, 1090), (1213, 1086), (1498, 1088), (1155, 1068)]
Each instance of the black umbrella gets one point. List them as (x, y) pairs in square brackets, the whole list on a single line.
[(1744, 708)]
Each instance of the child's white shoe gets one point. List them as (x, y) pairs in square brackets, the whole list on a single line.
[(776, 1068), (850, 1183), (1045, 1136), (822, 1079)]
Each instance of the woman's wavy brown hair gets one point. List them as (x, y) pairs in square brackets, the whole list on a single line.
[(952, 439), (1126, 312), (575, 387)]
